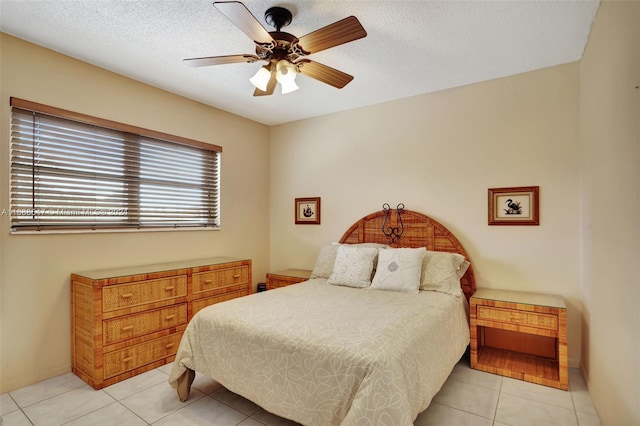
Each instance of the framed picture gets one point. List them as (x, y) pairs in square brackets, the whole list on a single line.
[(514, 206), (308, 211)]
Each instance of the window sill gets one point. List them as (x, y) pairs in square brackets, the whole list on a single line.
[(114, 231)]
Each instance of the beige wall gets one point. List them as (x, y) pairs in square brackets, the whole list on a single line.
[(572, 129), (610, 207), (438, 154), (34, 292)]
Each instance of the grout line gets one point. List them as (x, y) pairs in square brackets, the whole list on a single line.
[(57, 395), (134, 413), (252, 416), (19, 409), (573, 403), (495, 411), (90, 412)]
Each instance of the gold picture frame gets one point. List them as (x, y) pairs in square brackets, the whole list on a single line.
[(307, 211), (514, 206)]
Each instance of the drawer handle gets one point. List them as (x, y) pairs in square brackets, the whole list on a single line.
[(169, 345), (126, 295), (208, 281), (127, 359), (127, 328), (169, 317), (169, 288), (236, 276)]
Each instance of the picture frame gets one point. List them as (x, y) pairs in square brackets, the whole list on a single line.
[(514, 206), (307, 211)]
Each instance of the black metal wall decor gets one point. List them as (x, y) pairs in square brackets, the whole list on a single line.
[(392, 233)]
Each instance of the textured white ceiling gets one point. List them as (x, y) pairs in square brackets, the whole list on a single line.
[(412, 47)]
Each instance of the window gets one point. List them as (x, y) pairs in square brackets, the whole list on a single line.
[(70, 171)]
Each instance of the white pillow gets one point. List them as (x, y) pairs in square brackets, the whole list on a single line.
[(399, 269), (441, 271), (353, 266), (324, 262), (327, 257)]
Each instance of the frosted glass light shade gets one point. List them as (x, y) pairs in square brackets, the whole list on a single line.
[(261, 78), (286, 75), (288, 86)]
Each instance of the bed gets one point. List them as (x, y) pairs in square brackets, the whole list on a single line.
[(335, 350)]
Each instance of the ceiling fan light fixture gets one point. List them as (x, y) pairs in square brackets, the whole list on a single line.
[(282, 50), (286, 75), (261, 78), (288, 86)]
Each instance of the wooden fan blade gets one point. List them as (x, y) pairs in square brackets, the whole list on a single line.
[(220, 60), (271, 85), (324, 73), (344, 31), (238, 13)]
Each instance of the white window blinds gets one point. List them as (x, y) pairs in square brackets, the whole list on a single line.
[(89, 173)]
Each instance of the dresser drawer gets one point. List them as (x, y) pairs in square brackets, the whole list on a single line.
[(122, 328), (142, 292), (128, 320), (203, 303), (221, 278), (529, 319), (123, 360)]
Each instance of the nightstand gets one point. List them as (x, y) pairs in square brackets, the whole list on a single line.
[(520, 335), (286, 277)]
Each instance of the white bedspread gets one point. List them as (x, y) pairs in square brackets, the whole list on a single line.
[(320, 354)]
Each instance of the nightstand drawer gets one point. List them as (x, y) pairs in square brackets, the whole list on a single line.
[(509, 316), (275, 283), (521, 335), (222, 278), (286, 277), (143, 292)]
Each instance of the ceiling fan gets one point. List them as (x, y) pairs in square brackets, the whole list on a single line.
[(284, 52)]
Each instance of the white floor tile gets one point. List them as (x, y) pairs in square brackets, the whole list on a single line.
[(580, 393), (545, 394), (46, 389), (166, 369), (67, 406), (588, 420), (582, 402), (250, 422), (15, 418), (272, 420), (466, 374), (205, 384), (205, 411), (467, 397), (441, 415), (517, 410), (7, 404), (112, 415), (135, 384), (236, 401), (158, 401)]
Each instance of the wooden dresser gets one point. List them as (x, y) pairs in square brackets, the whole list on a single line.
[(129, 320), (286, 277), (520, 335)]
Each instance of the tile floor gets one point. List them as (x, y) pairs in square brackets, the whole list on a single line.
[(469, 397)]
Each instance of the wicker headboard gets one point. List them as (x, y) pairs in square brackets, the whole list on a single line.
[(419, 231)]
